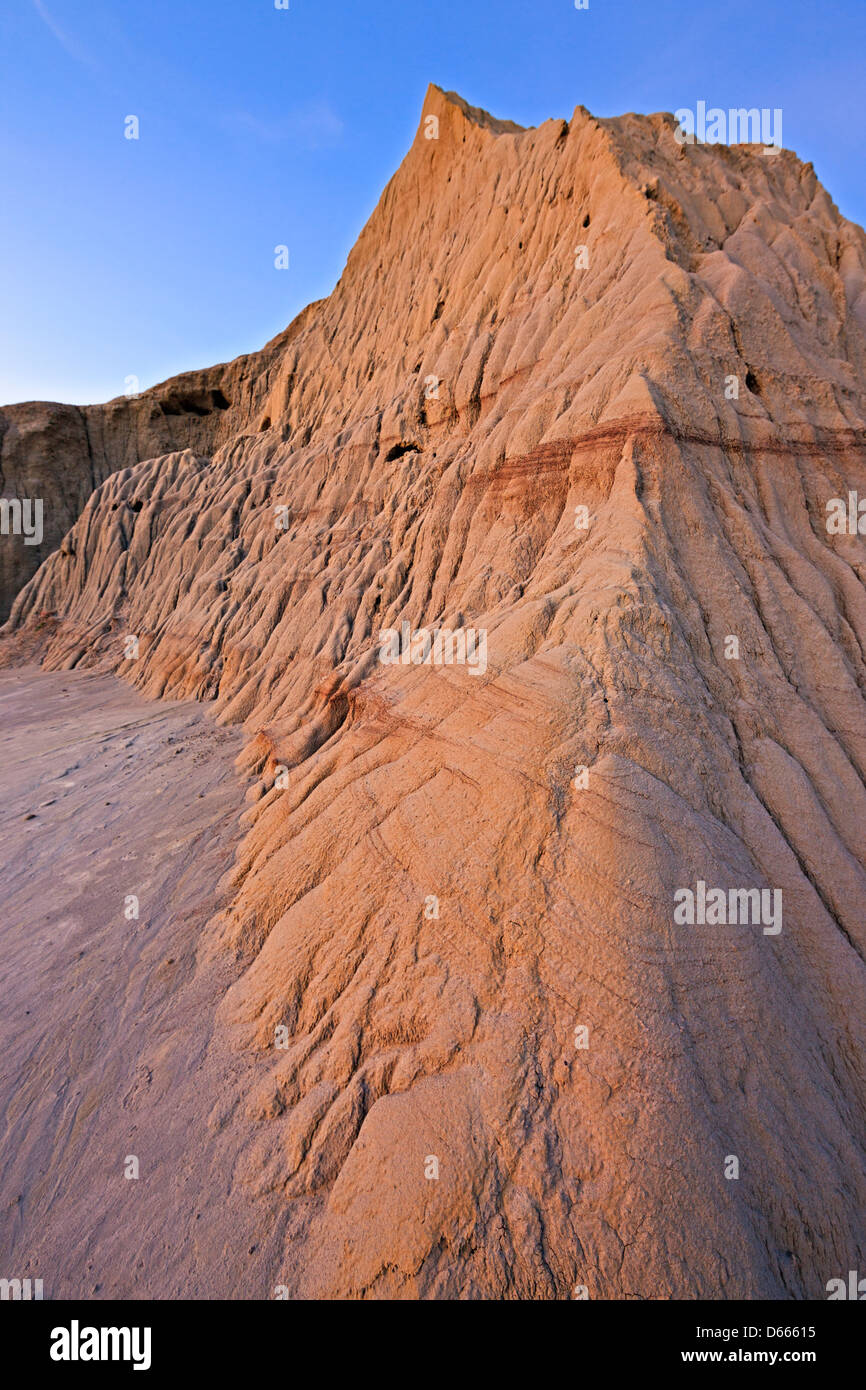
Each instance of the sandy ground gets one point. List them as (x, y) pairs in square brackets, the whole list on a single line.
[(106, 1024)]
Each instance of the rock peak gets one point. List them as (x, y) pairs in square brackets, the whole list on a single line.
[(439, 102)]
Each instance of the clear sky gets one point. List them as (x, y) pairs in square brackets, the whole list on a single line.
[(262, 127)]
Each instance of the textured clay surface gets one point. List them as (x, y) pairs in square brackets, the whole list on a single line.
[(515, 413)]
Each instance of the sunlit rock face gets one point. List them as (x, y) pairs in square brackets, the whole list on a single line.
[(589, 392)]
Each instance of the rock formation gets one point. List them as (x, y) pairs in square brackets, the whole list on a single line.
[(60, 453), (587, 391)]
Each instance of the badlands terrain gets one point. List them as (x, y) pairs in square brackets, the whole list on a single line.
[(406, 1011)]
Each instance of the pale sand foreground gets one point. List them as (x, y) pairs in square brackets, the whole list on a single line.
[(105, 1023)]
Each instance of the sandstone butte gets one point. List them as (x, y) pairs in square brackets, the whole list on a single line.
[(561, 385)]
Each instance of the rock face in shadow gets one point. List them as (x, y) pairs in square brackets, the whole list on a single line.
[(587, 392), (61, 453)]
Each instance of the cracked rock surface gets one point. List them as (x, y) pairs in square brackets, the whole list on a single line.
[(486, 427)]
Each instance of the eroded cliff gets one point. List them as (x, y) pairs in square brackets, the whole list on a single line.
[(517, 413)]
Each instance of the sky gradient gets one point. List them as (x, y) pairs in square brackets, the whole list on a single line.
[(262, 127)]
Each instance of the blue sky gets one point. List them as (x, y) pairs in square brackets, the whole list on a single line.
[(261, 127)]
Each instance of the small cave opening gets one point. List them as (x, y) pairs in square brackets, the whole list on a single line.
[(586, 220), (752, 383), (194, 403), (266, 424), (398, 450)]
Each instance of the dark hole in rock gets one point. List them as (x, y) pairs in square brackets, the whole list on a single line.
[(266, 423), (586, 220), (752, 383), (399, 450), (195, 403)]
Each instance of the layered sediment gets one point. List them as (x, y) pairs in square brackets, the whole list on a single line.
[(588, 391)]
